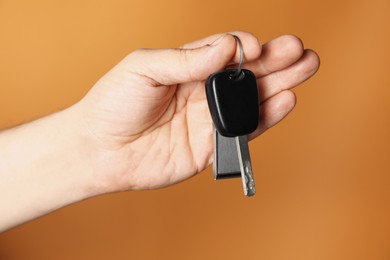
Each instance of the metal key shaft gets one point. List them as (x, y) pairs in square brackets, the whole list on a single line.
[(245, 165)]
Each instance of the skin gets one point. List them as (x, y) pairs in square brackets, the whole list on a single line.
[(143, 125)]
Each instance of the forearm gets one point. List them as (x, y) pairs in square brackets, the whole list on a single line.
[(42, 168)]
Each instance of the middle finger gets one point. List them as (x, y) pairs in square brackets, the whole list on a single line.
[(276, 55)]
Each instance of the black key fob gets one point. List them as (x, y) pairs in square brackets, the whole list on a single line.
[(233, 102)]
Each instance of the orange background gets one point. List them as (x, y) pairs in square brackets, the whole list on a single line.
[(322, 175)]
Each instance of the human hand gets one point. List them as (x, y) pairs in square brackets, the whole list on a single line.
[(146, 123)]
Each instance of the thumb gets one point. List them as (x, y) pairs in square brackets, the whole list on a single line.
[(174, 66)]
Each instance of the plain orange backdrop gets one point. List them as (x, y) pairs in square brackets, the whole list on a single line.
[(322, 175)]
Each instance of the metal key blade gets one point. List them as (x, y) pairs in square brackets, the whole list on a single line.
[(245, 165)]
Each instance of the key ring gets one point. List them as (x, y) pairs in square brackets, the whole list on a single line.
[(239, 69)]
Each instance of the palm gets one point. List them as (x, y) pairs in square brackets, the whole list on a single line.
[(182, 136), (155, 140), (179, 140)]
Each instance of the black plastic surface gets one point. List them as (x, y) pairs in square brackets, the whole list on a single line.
[(233, 103)]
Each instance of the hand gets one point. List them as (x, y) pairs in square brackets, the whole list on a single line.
[(146, 123)]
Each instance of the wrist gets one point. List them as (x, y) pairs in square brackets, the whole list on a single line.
[(78, 152)]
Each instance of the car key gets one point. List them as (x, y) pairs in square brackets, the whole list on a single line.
[(232, 96)]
